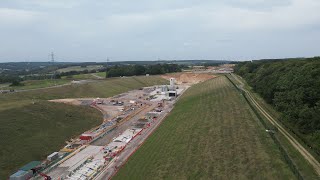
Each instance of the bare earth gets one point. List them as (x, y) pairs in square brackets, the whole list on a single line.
[(188, 78)]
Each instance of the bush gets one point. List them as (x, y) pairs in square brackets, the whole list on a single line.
[(16, 83)]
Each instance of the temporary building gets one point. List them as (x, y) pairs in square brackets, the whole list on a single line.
[(86, 137), (21, 175), (30, 165), (53, 156)]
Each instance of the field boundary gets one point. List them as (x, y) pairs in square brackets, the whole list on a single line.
[(284, 153)]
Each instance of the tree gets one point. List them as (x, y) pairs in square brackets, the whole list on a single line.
[(292, 86), (16, 83)]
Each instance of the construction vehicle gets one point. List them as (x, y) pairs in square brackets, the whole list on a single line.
[(37, 171), (46, 177)]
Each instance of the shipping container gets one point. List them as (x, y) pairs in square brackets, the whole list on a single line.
[(53, 156)]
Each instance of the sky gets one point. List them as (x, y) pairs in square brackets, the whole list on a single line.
[(127, 30)]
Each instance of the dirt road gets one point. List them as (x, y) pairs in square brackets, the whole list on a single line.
[(306, 154)]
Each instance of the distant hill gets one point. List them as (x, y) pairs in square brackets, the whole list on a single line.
[(182, 62), (28, 65), (27, 68)]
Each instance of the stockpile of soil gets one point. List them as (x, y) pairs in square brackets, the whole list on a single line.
[(189, 78)]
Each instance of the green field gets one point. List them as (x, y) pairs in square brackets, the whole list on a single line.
[(35, 84), (210, 134), (79, 77), (101, 74), (3, 85), (31, 127), (79, 68), (86, 76)]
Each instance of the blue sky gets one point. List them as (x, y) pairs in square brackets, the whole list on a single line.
[(92, 30)]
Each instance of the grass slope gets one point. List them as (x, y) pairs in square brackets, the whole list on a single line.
[(32, 131), (34, 84), (84, 76), (101, 74), (302, 164), (210, 134)]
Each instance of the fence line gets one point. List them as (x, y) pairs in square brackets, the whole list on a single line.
[(284, 153)]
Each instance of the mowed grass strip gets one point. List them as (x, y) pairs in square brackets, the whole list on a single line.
[(210, 134), (31, 127)]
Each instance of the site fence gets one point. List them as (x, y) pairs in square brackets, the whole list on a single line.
[(313, 149), (284, 153)]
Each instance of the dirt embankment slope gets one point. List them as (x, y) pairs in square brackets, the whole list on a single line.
[(188, 78)]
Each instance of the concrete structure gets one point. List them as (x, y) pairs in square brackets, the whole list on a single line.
[(172, 81), (78, 159), (164, 88), (172, 93), (87, 171), (172, 84), (127, 135)]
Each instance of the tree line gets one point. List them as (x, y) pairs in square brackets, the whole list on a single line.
[(293, 87), (135, 70)]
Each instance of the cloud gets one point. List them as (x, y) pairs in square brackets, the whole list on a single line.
[(50, 4), (166, 28), (299, 14), (296, 14), (17, 16)]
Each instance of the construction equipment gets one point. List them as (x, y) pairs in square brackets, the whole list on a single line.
[(46, 177), (37, 170)]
